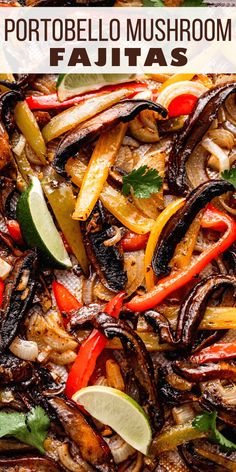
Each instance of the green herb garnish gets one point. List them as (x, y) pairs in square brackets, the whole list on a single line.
[(142, 181), (206, 422), (153, 3), (230, 176), (30, 428)]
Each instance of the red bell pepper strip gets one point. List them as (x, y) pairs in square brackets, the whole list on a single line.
[(15, 231), (134, 242), (47, 102), (90, 350), (215, 352), (215, 219), (182, 105), (1, 292), (66, 302)]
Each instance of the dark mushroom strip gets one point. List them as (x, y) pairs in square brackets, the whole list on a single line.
[(179, 223), (9, 243), (196, 462), (194, 306), (91, 129), (171, 395), (221, 370), (161, 325), (222, 398), (13, 370), (7, 192), (107, 260), (137, 357), (18, 296), (21, 82), (80, 429), (28, 463), (194, 129), (7, 102)]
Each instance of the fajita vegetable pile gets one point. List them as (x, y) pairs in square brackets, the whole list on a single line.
[(117, 273)]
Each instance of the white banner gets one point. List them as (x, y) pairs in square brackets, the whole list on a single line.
[(117, 40)]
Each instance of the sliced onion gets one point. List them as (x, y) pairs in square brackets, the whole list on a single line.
[(18, 148), (222, 137), (5, 269), (116, 237), (179, 88), (87, 289), (229, 127), (182, 414), (31, 156), (134, 266), (26, 350), (196, 167), (67, 460), (119, 448), (213, 148), (231, 108), (230, 210)]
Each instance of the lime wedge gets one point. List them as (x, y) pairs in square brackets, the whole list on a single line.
[(119, 411), (38, 228), (71, 85)]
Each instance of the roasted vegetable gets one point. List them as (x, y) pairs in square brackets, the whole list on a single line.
[(81, 430), (90, 349), (215, 220), (178, 224), (195, 127), (28, 125), (137, 357), (107, 260), (13, 370), (195, 373), (18, 296), (96, 173), (91, 129), (28, 463), (197, 462), (116, 203), (194, 306)]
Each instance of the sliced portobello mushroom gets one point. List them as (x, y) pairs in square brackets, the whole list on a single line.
[(86, 132)]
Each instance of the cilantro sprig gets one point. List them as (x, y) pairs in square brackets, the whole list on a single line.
[(206, 422), (142, 182), (30, 428), (230, 176)]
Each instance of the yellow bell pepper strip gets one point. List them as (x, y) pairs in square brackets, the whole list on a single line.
[(184, 249), (175, 78), (28, 125), (179, 278), (113, 200), (157, 228), (73, 116), (217, 317), (175, 436), (96, 173), (62, 202)]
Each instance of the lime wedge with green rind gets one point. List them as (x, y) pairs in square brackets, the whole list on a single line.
[(119, 411), (38, 228), (71, 85)]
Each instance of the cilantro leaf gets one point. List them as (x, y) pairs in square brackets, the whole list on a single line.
[(153, 3), (30, 428), (230, 176), (193, 3), (206, 422), (143, 181)]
